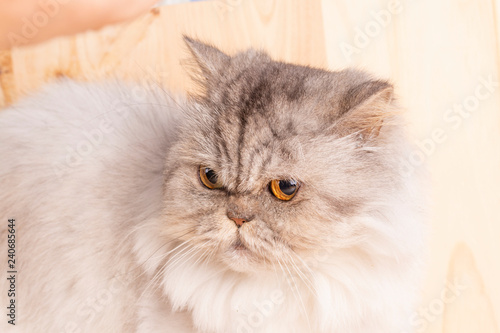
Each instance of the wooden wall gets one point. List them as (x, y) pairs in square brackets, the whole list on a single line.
[(443, 57)]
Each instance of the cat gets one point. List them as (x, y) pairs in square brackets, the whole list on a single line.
[(272, 200)]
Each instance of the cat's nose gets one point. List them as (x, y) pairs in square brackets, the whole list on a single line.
[(238, 220)]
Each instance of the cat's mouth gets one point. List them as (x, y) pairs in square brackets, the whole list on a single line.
[(239, 246), (241, 255)]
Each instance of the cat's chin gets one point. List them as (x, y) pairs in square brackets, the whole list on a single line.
[(240, 258)]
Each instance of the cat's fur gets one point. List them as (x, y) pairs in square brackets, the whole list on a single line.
[(116, 233)]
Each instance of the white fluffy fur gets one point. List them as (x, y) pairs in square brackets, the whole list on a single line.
[(89, 244)]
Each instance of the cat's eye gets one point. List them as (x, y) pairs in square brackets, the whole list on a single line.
[(209, 178), (284, 189)]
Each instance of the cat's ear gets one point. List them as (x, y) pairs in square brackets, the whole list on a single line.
[(209, 59), (366, 108)]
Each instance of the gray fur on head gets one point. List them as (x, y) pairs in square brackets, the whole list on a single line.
[(260, 120)]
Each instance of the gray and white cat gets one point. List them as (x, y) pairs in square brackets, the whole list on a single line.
[(275, 201)]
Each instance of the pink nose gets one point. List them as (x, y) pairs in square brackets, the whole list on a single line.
[(239, 222)]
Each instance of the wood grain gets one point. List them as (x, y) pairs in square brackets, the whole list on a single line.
[(440, 55), (470, 299)]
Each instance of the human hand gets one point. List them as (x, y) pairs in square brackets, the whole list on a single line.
[(30, 21)]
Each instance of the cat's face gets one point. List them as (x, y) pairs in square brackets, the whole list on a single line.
[(276, 161)]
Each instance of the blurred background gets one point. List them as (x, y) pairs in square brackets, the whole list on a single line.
[(443, 57)]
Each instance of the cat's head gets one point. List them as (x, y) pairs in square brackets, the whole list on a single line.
[(277, 161)]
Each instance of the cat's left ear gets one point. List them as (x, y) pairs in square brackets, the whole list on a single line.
[(366, 108), (209, 59)]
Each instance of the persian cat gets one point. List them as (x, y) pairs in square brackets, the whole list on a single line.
[(276, 199)]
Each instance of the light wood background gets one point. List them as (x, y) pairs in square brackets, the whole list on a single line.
[(437, 53)]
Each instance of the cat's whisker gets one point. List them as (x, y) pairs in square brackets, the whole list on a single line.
[(292, 254), (305, 279), (206, 258), (168, 267), (135, 229), (162, 256), (212, 253), (177, 239), (297, 294), (130, 233), (186, 232), (160, 270), (153, 280), (304, 264), (289, 279), (184, 255), (202, 256), (274, 269), (282, 270), (181, 255), (295, 289), (159, 258)]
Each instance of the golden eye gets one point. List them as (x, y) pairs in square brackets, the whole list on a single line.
[(209, 178), (284, 189)]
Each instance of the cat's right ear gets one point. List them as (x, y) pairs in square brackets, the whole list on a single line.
[(210, 60), (366, 108)]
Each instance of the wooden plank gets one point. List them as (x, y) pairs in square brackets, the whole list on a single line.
[(6, 77), (151, 46), (467, 306)]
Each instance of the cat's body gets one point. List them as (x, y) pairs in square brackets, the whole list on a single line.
[(115, 232)]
